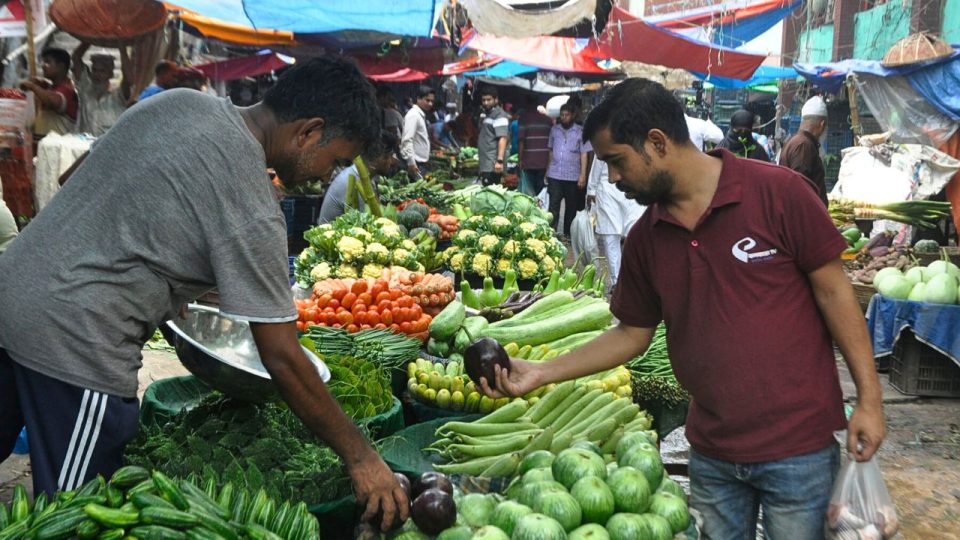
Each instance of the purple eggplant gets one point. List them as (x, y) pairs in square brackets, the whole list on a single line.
[(434, 511), (480, 358)]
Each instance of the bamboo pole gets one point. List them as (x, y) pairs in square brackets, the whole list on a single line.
[(855, 125), (31, 51)]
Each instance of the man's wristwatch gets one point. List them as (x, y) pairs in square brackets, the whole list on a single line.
[(500, 161)]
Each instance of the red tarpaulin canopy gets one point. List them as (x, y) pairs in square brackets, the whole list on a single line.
[(627, 37), (246, 66), (547, 52)]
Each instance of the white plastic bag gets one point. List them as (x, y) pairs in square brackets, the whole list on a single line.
[(861, 508), (543, 199), (583, 242)]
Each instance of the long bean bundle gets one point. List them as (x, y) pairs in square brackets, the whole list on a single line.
[(653, 377), (383, 348)]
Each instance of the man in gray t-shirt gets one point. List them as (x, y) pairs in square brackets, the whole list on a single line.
[(380, 164), (492, 139), (173, 200)]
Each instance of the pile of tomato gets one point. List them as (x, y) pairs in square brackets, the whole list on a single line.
[(363, 306)]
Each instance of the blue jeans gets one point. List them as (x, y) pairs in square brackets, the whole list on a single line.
[(793, 492)]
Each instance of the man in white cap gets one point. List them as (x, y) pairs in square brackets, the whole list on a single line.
[(802, 151)]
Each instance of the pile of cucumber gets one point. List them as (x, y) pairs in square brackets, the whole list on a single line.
[(137, 503)]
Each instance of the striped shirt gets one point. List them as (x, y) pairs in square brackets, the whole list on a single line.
[(566, 145), (534, 134)]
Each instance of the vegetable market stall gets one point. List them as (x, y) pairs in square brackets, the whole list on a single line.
[(924, 342)]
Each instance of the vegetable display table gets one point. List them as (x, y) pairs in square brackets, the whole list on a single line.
[(926, 359)]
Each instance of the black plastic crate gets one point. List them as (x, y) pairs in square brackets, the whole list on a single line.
[(919, 370), (300, 212)]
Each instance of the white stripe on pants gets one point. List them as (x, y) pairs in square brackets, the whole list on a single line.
[(611, 249)]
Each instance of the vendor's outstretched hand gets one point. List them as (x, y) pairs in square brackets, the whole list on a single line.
[(521, 379), (865, 431), (376, 490)]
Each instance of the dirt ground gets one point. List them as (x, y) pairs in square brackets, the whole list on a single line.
[(920, 458)]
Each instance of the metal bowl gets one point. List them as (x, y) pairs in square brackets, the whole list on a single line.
[(221, 352)]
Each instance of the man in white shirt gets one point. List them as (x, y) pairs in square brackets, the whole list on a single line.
[(100, 104), (703, 131), (415, 142)]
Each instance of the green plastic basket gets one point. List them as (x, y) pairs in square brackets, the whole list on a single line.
[(166, 398)]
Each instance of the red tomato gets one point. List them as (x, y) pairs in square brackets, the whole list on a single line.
[(383, 305), (381, 326), (366, 327), (348, 300), (339, 293), (336, 325), (358, 307), (395, 294), (300, 327), (334, 304), (366, 298), (405, 301), (360, 317), (311, 313), (359, 286), (345, 317), (381, 296), (373, 318), (417, 312), (323, 300), (352, 328), (386, 317), (405, 327)]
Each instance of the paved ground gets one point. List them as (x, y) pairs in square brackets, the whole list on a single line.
[(920, 459)]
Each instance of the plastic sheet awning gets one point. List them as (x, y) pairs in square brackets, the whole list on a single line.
[(404, 18), (626, 38), (245, 66), (938, 81), (764, 75), (503, 70), (730, 24)]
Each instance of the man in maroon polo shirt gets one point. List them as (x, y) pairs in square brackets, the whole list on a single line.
[(741, 261)]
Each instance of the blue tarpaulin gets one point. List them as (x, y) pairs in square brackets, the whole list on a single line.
[(407, 18), (503, 70), (763, 75), (940, 84), (738, 32), (830, 76), (730, 23), (936, 325)]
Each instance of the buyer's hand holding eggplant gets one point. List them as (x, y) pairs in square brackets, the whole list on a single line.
[(522, 378), (379, 493)]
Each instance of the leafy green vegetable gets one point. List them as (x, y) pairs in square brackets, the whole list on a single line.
[(251, 445)]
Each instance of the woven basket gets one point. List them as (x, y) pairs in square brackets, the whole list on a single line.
[(863, 293), (108, 23), (953, 253), (920, 47)]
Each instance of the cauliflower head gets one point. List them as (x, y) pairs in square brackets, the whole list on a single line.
[(528, 227), (372, 270), (409, 245), (488, 243), (350, 248), (503, 265), (346, 271), (510, 248), (377, 253), (321, 272), (481, 264), (528, 268), (402, 257), (548, 265), (536, 247), (385, 223), (362, 234), (307, 254), (455, 262)]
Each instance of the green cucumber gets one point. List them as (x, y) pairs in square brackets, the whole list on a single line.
[(591, 317), (448, 321)]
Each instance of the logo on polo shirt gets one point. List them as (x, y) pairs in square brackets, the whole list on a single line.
[(741, 250)]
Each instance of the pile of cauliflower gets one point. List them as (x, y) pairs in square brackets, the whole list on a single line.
[(489, 245), (355, 245)]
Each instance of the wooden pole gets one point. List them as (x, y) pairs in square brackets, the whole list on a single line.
[(855, 126), (31, 52)]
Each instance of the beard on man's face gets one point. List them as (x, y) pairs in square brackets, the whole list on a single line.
[(658, 191)]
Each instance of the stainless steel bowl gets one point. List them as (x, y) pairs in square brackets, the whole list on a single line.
[(221, 352)]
